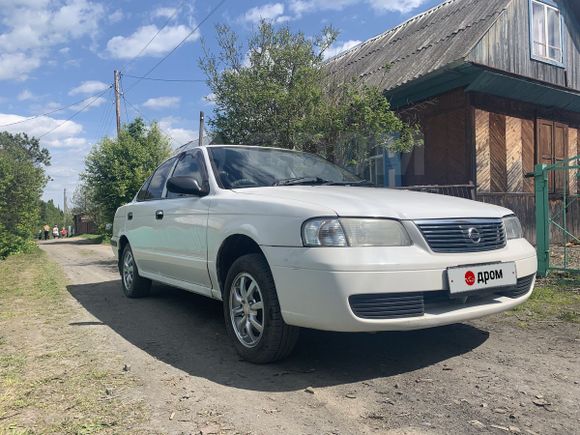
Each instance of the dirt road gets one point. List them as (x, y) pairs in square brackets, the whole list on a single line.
[(487, 376)]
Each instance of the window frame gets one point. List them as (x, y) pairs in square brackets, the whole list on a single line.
[(547, 4), (164, 191), (205, 175)]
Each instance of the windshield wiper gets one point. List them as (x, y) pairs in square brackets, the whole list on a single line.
[(300, 180), (350, 183)]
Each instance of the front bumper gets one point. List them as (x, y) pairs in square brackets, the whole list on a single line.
[(314, 284)]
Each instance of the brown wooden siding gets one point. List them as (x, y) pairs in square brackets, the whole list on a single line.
[(573, 150), (482, 156), (528, 145), (506, 46), (444, 157), (497, 151), (514, 160)]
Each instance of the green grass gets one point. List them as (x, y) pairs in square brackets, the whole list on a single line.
[(51, 380), (556, 298)]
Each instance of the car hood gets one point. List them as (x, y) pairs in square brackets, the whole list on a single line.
[(379, 202)]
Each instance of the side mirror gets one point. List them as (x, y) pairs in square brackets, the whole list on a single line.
[(186, 186)]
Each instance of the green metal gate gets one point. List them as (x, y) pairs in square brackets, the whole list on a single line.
[(558, 216)]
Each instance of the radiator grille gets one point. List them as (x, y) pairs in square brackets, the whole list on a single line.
[(395, 305), (463, 235)]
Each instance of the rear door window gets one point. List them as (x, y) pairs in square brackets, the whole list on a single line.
[(157, 183)]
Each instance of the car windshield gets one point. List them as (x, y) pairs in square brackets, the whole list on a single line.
[(239, 167)]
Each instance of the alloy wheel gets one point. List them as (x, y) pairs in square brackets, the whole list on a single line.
[(247, 309)]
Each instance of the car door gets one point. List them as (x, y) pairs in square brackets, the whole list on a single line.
[(144, 221), (185, 226)]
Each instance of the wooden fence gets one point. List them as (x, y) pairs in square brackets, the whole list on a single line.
[(524, 206)]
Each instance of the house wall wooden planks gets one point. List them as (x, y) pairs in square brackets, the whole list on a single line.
[(482, 152), (506, 47), (444, 157), (573, 150), (503, 146)]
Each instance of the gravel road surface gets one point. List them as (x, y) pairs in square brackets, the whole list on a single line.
[(486, 376)]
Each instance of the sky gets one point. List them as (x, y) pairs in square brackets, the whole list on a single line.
[(57, 59)]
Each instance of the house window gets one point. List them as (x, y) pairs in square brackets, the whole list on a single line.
[(546, 32)]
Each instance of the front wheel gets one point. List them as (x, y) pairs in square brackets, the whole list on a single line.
[(252, 312), (134, 286)]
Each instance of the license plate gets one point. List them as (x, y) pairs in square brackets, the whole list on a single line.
[(472, 278)]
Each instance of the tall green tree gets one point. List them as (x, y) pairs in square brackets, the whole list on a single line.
[(22, 179), (116, 168), (50, 214), (272, 90)]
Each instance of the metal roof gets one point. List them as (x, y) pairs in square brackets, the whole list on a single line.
[(419, 46)]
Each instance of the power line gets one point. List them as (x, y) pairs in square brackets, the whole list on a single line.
[(124, 101), (54, 110), (159, 79), (178, 45), (95, 98), (154, 36), (144, 117)]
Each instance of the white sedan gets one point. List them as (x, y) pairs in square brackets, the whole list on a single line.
[(289, 240)]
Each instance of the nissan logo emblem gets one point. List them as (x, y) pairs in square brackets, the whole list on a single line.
[(473, 234)]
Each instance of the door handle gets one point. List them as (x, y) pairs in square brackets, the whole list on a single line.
[(130, 215), (159, 214)]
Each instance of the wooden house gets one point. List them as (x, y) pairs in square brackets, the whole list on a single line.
[(495, 88)]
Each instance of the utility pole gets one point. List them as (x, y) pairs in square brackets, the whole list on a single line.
[(64, 207), (201, 127), (117, 102)]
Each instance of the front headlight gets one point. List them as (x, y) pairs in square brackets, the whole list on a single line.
[(513, 228), (354, 232)]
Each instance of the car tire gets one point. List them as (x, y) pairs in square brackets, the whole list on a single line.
[(134, 286), (250, 277)]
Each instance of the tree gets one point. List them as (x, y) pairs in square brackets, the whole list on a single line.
[(273, 91), (50, 214), (22, 179), (116, 168)]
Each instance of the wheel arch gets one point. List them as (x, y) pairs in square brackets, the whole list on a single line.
[(232, 248), (123, 241)]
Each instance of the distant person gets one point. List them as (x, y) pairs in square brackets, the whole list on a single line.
[(55, 232), (46, 230), (63, 232)]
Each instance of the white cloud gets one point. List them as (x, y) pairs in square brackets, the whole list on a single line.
[(300, 7), (209, 99), (116, 16), (402, 6), (65, 136), (89, 87), (339, 48), (164, 13), (25, 95), (31, 28), (17, 66), (269, 12), (126, 47), (89, 104), (162, 102), (179, 136)]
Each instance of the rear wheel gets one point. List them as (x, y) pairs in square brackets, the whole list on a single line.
[(252, 312), (134, 286)]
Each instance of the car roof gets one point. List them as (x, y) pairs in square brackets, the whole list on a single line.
[(249, 146)]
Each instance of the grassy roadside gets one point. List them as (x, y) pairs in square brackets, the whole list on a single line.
[(53, 378), (556, 298)]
